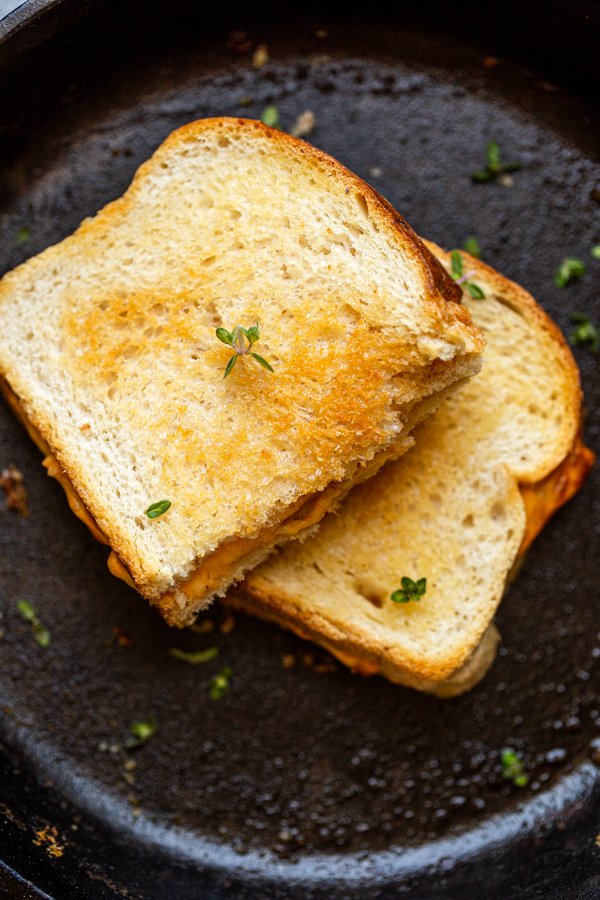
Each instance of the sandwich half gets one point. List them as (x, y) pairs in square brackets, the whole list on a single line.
[(115, 344), (486, 472)]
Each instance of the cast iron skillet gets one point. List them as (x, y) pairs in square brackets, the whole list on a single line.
[(304, 781)]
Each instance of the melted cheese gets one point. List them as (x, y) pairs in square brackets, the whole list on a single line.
[(116, 568), (56, 471), (544, 497), (216, 568), (541, 500)]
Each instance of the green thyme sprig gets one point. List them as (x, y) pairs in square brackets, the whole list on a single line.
[(270, 116), (584, 332), (595, 251), (194, 657), (40, 632), (219, 683), (494, 167), (513, 768), (410, 590), (141, 731), (462, 278), (569, 270), (241, 340), (471, 245)]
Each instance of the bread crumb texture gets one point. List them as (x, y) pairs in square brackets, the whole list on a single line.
[(109, 341), (450, 510)]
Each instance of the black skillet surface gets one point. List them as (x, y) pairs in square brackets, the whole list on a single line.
[(304, 781)]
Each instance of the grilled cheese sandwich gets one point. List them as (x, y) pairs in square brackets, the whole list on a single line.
[(487, 471), (229, 223)]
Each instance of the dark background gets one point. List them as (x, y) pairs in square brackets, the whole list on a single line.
[(306, 781)]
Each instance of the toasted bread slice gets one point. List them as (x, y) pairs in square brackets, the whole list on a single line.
[(108, 348), (487, 470)]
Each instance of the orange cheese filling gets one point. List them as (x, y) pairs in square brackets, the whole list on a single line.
[(541, 500), (214, 569)]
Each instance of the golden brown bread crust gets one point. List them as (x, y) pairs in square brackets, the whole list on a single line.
[(274, 605), (364, 663), (542, 500), (88, 343), (51, 464), (438, 277), (545, 496), (101, 295), (543, 491), (434, 275), (302, 515), (522, 302)]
